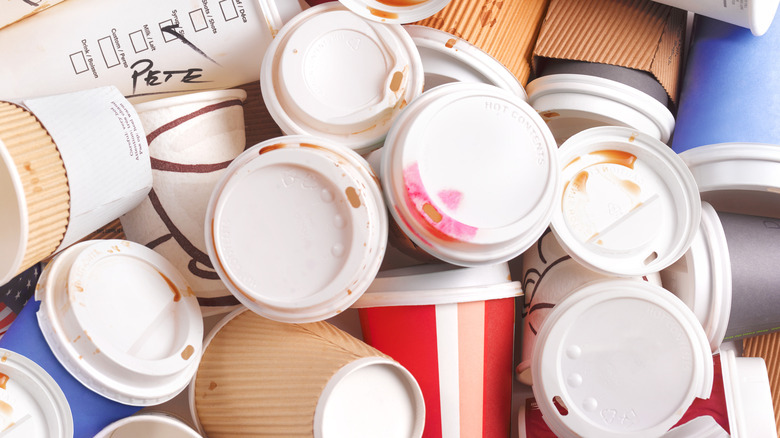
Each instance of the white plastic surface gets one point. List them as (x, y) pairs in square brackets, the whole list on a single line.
[(147, 426), (395, 11), (373, 397), (447, 58), (748, 395), (470, 173), (122, 321), (625, 358), (31, 402), (742, 178), (14, 227), (756, 15), (335, 75), (628, 205), (571, 103), (699, 427), (439, 284), (297, 228), (701, 278)]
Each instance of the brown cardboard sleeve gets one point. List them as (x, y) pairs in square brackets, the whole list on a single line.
[(637, 34)]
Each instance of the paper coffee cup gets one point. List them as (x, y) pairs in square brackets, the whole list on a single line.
[(192, 140), (550, 274), (296, 228), (620, 357), (146, 49), (80, 162), (262, 377), (122, 320), (453, 329), (756, 15), (628, 206), (332, 74), (726, 74), (470, 173), (507, 31), (147, 425)]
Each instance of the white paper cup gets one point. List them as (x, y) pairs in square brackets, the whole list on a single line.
[(572, 103), (622, 357), (193, 138), (470, 173), (121, 320), (756, 15), (447, 58), (297, 228), (33, 405), (12, 12), (149, 426), (332, 74), (628, 206)]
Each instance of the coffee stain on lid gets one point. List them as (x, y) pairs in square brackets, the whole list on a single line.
[(172, 287), (550, 114), (6, 409), (3, 380), (450, 43), (187, 352), (395, 82), (401, 3), (631, 187), (382, 14), (270, 148), (431, 212), (353, 197), (621, 158), (4, 358)]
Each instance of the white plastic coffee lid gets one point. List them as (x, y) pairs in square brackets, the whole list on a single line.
[(470, 173), (447, 58), (748, 395), (624, 357), (701, 278), (742, 178), (147, 425), (31, 402), (332, 74), (700, 427), (297, 228), (571, 103), (433, 284), (122, 320), (14, 226), (395, 11), (372, 396), (188, 98), (628, 206)]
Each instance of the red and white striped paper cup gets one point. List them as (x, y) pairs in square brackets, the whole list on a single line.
[(453, 329)]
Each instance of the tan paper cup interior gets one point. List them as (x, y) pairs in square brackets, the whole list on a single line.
[(260, 377), (36, 162), (505, 30)]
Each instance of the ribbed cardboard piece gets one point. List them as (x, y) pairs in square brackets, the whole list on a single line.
[(637, 34), (260, 377), (768, 347), (505, 29), (43, 177)]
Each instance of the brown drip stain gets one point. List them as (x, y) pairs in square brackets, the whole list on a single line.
[(401, 3), (620, 158), (187, 352), (172, 287), (599, 242), (450, 42), (190, 293), (97, 350), (364, 130), (4, 358), (352, 196), (349, 291), (403, 104), (28, 166), (580, 180), (3, 380), (395, 83), (382, 14), (78, 287), (6, 409), (631, 187), (212, 386), (550, 114), (432, 213), (272, 147), (77, 338), (632, 138)]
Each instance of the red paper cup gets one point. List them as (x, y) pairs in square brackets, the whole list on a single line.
[(453, 329)]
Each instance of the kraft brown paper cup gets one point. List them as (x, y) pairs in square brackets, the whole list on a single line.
[(259, 377), (40, 169), (506, 30)]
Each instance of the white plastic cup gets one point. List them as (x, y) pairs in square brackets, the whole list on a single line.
[(550, 274), (628, 205), (332, 74), (193, 138), (148, 426), (144, 48), (122, 320), (297, 228), (470, 173), (621, 357), (756, 15)]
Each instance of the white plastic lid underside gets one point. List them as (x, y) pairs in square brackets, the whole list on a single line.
[(14, 226), (623, 357), (748, 395)]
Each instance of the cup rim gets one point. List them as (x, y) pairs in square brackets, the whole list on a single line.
[(20, 212)]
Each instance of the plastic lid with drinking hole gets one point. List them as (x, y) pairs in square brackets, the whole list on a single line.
[(122, 320), (571, 103), (335, 75), (297, 228), (748, 394), (470, 172), (701, 278), (622, 358), (14, 226), (439, 284), (147, 425), (447, 58), (628, 205), (31, 402), (742, 178), (395, 11), (372, 396)]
